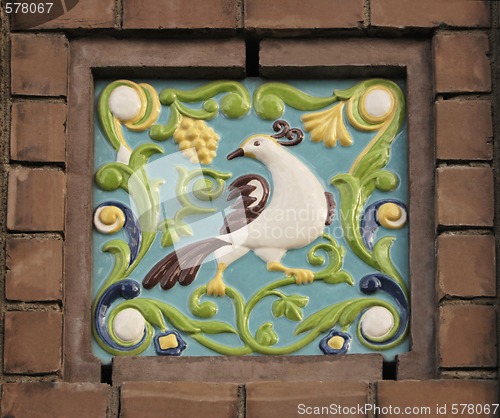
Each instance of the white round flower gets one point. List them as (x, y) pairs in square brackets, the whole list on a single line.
[(378, 103), (377, 322), (124, 103), (129, 324)]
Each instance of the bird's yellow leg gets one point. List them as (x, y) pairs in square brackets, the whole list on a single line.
[(216, 286), (302, 276)]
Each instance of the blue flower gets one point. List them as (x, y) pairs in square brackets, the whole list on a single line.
[(169, 343), (335, 342)]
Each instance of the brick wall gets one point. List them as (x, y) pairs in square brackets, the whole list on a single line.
[(34, 86)]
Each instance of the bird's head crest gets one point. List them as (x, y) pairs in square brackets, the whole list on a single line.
[(293, 135)]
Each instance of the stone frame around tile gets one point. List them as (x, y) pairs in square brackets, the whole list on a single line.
[(226, 58)]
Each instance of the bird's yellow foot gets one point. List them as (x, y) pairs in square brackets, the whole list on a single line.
[(216, 286), (302, 276)]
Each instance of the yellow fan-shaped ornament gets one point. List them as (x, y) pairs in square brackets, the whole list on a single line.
[(328, 126)]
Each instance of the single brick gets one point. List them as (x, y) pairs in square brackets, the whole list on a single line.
[(34, 270), (49, 400), (33, 342), (467, 336), (461, 62), (466, 265), (178, 399), (295, 399), (38, 132), (429, 13), (299, 14), (69, 14), (36, 200), (39, 64), (465, 196), (426, 396), (180, 14), (464, 130)]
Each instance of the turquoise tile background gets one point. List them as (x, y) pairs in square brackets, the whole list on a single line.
[(249, 273)]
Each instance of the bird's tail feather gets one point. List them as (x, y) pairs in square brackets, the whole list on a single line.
[(169, 270)]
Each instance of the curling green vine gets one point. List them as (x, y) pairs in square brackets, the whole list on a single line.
[(234, 104), (133, 179), (368, 174), (269, 100), (161, 315)]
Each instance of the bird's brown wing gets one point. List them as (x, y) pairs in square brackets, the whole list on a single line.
[(250, 194)]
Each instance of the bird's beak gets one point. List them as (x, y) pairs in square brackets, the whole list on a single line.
[(236, 153)]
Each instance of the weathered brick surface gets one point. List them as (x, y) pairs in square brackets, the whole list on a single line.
[(433, 393), (292, 399), (38, 132), (35, 200), (32, 342), (466, 265), (461, 62), (80, 14), (465, 196), (467, 335), (464, 130), (34, 270), (39, 64), (180, 14), (297, 14), (178, 399), (429, 13), (50, 400)]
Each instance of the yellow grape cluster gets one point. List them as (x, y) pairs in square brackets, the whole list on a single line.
[(196, 140)]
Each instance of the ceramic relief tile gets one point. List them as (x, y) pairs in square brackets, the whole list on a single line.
[(250, 218)]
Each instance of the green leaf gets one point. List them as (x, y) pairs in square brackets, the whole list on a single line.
[(292, 311), (121, 252), (352, 311), (382, 258), (163, 132), (310, 322), (142, 154), (152, 313), (179, 320), (341, 276), (298, 300), (329, 321), (269, 100), (183, 229), (215, 327), (278, 308), (324, 319), (266, 335), (373, 161), (168, 238), (112, 176)]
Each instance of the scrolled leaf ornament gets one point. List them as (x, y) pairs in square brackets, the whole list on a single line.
[(269, 100), (123, 102), (234, 104), (367, 173)]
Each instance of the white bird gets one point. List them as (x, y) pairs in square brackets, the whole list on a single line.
[(294, 217)]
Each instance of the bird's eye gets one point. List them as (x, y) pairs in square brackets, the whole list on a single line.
[(256, 143)]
